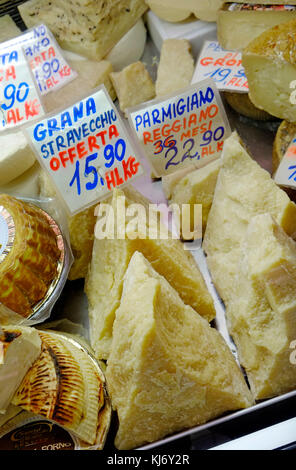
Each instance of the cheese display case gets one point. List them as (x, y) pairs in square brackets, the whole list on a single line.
[(112, 339)]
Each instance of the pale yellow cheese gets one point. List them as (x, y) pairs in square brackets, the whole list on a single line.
[(19, 348), (236, 29), (133, 85), (175, 11), (88, 28), (110, 259), (262, 312), (243, 190), (242, 104), (176, 66), (168, 369), (197, 187), (8, 28), (270, 66), (91, 74)]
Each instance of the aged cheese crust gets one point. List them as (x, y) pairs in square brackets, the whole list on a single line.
[(243, 190), (262, 312), (171, 78), (109, 262), (270, 66), (167, 366)]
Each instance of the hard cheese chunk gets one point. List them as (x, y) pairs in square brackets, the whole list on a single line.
[(176, 11), (81, 230), (197, 187), (91, 29), (8, 28), (237, 28), (16, 156), (243, 190), (270, 66), (19, 348), (176, 66), (91, 74), (262, 313), (168, 369), (133, 85), (110, 259)]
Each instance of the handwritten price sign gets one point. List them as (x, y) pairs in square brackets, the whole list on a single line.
[(85, 150), (181, 130), (224, 67), (19, 99), (286, 173)]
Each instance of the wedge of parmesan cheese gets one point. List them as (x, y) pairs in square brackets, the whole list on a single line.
[(270, 66), (91, 29), (19, 348), (168, 369), (243, 190), (133, 85), (176, 66), (111, 256), (262, 313)]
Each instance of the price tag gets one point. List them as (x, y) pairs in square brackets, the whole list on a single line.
[(19, 99), (85, 150), (181, 130), (50, 69), (286, 173), (224, 67)]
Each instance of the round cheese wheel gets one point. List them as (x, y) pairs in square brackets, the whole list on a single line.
[(242, 104), (168, 12)]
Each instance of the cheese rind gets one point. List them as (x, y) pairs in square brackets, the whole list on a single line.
[(19, 348), (16, 156), (171, 78), (110, 259), (243, 190), (133, 85), (270, 66), (262, 312), (236, 29), (242, 104), (167, 366)]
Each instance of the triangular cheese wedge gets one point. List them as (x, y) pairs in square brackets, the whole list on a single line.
[(262, 313), (110, 260), (168, 369), (243, 190), (19, 348), (270, 66)]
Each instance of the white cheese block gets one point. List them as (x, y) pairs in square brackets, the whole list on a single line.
[(129, 48), (133, 85), (270, 66), (19, 348), (262, 313), (16, 156), (171, 78), (243, 190), (8, 28), (236, 29), (168, 369), (26, 185)]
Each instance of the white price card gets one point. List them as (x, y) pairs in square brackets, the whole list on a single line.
[(224, 67), (49, 67), (286, 172), (19, 99), (180, 130), (85, 150)]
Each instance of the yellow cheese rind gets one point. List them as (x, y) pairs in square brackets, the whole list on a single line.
[(133, 85), (171, 78), (243, 190), (168, 369), (110, 259), (262, 312), (270, 66)]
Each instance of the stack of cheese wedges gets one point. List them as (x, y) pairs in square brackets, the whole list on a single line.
[(168, 369), (110, 259), (252, 261), (87, 27)]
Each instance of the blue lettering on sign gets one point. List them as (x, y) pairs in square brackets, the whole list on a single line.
[(9, 57), (293, 175)]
